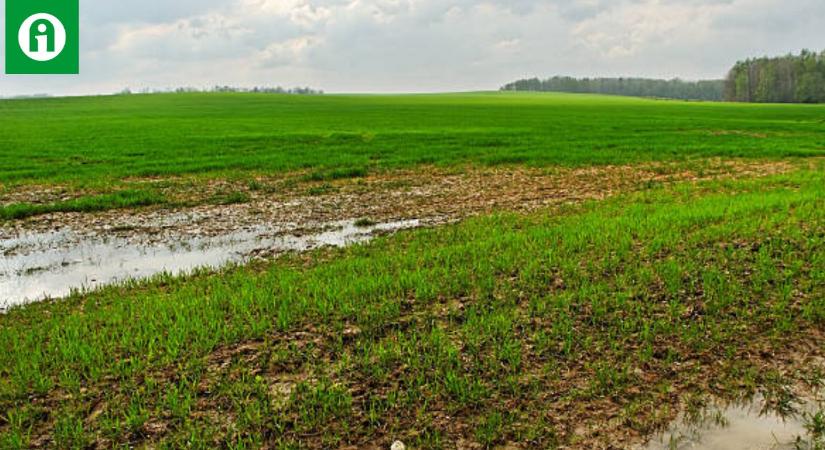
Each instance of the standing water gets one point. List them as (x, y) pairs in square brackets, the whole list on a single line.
[(50, 265), (742, 426)]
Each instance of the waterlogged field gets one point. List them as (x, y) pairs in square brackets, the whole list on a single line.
[(592, 268)]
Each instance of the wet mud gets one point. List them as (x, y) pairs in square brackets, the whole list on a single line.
[(50, 255)]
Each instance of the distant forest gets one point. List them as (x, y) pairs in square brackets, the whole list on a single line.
[(636, 87), (218, 88), (785, 79)]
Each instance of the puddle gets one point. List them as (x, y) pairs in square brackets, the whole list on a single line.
[(743, 426), (37, 266)]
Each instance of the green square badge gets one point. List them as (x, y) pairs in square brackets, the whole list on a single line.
[(42, 37)]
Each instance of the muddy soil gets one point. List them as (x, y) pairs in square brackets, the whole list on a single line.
[(412, 194), (48, 255)]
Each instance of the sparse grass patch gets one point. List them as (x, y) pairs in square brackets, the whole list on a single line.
[(321, 189), (335, 174), (116, 200), (230, 198), (256, 185), (364, 222)]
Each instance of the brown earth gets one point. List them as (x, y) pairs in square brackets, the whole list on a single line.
[(433, 195)]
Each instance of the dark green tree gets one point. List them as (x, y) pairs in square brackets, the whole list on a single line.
[(785, 79), (637, 87)]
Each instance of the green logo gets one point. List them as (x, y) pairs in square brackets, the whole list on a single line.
[(42, 37)]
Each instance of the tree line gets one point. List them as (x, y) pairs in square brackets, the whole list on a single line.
[(711, 90), (218, 88), (785, 79)]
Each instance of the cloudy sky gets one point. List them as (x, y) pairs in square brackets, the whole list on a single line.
[(417, 45)]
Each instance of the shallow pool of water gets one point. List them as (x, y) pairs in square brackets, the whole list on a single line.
[(743, 426), (50, 265)]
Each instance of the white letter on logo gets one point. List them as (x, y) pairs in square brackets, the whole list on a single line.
[(42, 40)]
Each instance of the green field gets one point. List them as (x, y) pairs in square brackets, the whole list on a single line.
[(587, 325), (94, 140)]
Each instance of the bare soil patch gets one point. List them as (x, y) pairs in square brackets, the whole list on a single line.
[(430, 194)]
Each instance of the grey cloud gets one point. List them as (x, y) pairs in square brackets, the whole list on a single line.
[(414, 45), (103, 12), (773, 16)]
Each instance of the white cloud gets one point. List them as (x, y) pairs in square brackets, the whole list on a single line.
[(291, 52), (417, 45), (630, 30)]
